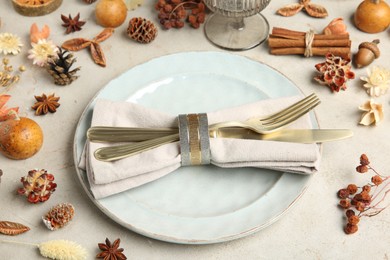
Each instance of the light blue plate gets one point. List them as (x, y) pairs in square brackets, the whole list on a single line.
[(202, 204)]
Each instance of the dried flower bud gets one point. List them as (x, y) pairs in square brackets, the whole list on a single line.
[(362, 169), (377, 180), (364, 160), (350, 229), (352, 189), (343, 194)]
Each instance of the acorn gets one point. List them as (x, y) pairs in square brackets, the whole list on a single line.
[(368, 52)]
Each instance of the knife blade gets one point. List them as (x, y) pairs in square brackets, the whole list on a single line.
[(285, 135)]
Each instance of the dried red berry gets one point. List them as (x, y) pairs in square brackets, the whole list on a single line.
[(364, 160), (365, 197), (173, 13), (362, 169), (352, 188), (353, 220), (377, 180), (360, 206), (350, 229), (366, 188), (350, 213), (345, 203), (343, 193)]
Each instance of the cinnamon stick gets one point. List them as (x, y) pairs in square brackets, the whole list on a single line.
[(290, 34), (275, 42), (317, 51), (284, 42)]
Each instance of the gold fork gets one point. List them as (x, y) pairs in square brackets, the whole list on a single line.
[(264, 125)]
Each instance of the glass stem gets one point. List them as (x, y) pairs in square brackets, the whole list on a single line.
[(238, 23)]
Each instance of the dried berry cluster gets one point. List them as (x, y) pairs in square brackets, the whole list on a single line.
[(173, 13), (363, 201)]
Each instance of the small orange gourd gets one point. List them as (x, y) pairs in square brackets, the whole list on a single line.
[(372, 16), (20, 139)]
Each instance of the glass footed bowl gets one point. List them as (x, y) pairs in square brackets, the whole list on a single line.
[(236, 24)]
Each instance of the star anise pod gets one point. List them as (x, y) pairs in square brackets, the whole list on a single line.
[(111, 251), (45, 104), (72, 24)]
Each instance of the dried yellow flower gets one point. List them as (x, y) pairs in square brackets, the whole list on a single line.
[(372, 113), (10, 44), (378, 81)]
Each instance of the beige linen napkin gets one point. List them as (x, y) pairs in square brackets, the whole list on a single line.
[(108, 178)]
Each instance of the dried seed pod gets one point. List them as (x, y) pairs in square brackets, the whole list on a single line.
[(38, 185), (12, 228), (141, 30), (59, 216), (368, 52)]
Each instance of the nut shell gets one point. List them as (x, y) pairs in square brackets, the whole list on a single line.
[(36, 10), (368, 52)]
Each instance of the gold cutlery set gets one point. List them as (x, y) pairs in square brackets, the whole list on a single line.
[(270, 127)]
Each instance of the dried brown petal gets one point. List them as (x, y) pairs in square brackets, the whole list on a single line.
[(12, 228), (104, 35), (97, 54), (315, 10), (76, 44), (290, 10)]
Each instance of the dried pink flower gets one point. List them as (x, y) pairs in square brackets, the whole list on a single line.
[(38, 185)]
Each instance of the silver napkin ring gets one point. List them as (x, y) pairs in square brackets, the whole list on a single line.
[(194, 139)]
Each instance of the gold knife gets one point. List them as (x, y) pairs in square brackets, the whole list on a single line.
[(285, 135)]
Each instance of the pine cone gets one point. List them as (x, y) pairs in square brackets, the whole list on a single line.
[(141, 30), (59, 68), (59, 216), (38, 185)]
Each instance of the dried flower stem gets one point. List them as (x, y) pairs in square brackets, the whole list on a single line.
[(19, 243)]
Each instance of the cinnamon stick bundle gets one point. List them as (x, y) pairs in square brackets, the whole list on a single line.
[(285, 42)]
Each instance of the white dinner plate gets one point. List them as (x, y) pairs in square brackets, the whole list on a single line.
[(200, 204)]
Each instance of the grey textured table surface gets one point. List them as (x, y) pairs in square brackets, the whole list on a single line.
[(312, 229)]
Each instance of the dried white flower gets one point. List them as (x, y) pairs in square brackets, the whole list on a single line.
[(41, 51), (373, 113), (10, 44), (378, 81)]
